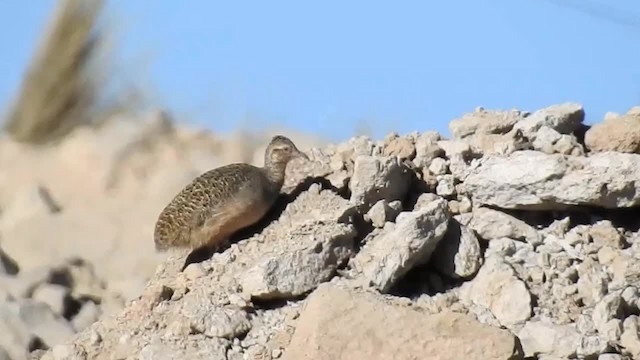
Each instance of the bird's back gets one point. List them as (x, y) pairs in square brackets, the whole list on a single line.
[(215, 199)]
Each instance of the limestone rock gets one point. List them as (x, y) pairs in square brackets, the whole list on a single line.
[(550, 141), (458, 255), (439, 166), (610, 307), (493, 224), (592, 282), (607, 180), (427, 148), (301, 269), (377, 178), (382, 211), (541, 337), (411, 240), (630, 338), (319, 243), (342, 324), (446, 185), (497, 288)]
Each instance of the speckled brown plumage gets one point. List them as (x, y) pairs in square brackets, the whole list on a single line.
[(224, 200)]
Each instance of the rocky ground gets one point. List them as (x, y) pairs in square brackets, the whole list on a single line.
[(517, 238)]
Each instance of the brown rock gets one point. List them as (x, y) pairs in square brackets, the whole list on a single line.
[(340, 324), (621, 134), (401, 147)]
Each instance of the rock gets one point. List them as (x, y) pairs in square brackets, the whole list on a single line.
[(23, 285), (607, 180), (487, 144), (604, 233), (497, 288), (17, 340), (382, 211), (377, 178), (592, 282), (502, 247), (205, 318), (43, 322), (620, 134), (427, 149), (563, 118), (630, 338), (61, 352), (425, 199), (568, 145), (300, 270), (455, 148), (402, 147), (205, 348), (341, 324), (465, 204), (446, 185), (550, 141), (458, 255), (482, 121), (630, 297), (492, 224), (591, 346), (625, 268), (4, 355), (610, 357), (412, 240), (439, 166), (8, 266), (56, 296), (541, 337), (611, 331), (318, 244), (88, 314), (610, 307)]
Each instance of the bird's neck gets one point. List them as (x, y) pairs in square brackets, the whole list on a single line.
[(275, 172)]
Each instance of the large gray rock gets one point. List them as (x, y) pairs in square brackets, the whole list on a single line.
[(301, 268), (389, 256), (318, 244), (376, 178), (564, 118), (537, 181)]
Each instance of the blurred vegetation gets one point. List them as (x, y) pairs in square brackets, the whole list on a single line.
[(67, 82)]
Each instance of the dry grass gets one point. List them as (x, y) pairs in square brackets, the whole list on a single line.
[(65, 83)]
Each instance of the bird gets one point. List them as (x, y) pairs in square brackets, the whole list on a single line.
[(221, 201)]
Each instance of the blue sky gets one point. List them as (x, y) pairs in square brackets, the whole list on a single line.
[(328, 67)]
